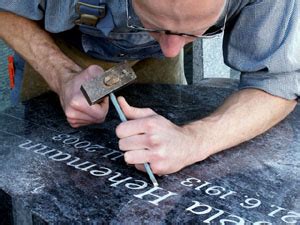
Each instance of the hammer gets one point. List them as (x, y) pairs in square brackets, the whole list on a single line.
[(112, 80)]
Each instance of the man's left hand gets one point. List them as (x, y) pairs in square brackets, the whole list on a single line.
[(150, 138)]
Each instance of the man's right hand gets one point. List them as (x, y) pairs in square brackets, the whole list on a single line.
[(77, 110), (62, 74)]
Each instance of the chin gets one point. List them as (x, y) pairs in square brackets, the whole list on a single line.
[(170, 54)]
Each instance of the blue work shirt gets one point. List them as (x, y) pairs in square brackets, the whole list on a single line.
[(261, 39)]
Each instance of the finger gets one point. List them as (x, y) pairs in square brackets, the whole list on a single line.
[(96, 113), (104, 102), (137, 142), (79, 124), (140, 167), (130, 143), (137, 156), (131, 128), (94, 71), (133, 112), (76, 115), (100, 110)]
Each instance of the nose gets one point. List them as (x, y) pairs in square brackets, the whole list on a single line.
[(171, 44)]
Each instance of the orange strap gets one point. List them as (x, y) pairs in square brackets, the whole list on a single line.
[(11, 71)]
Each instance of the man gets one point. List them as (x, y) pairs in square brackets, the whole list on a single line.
[(261, 40)]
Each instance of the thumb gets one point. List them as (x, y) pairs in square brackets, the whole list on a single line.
[(93, 71), (133, 112)]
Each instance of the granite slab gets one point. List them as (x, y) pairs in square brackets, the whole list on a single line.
[(51, 173)]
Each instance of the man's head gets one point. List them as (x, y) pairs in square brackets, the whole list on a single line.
[(180, 16)]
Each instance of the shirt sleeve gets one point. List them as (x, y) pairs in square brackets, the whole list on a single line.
[(32, 9), (58, 15), (263, 42)]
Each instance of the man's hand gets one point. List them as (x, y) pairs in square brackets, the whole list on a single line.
[(149, 137), (77, 110), (62, 74)]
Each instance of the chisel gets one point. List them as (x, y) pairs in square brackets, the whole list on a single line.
[(123, 119), (112, 80)]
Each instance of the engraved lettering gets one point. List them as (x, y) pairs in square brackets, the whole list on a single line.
[(276, 210), (202, 185), (240, 221), (82, 144), (292, 218), (114, 152), (215, 216), (189, 182), (60, 137), (85, 166), (227, 194), (93, 148), (201, 208), (60, 156), (134, 186), (27, 146), (42, 152), (251, 203), (214, 190), (101, 172), (117, 182), (159, 197), (71, 140)]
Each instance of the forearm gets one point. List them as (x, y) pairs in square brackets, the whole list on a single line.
[(243, 116), (38, 49)]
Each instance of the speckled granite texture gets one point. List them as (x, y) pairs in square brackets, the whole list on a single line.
[(51, 173)]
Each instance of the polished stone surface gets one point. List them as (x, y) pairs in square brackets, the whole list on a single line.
[(51, 173)]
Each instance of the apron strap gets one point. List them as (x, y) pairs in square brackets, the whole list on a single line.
[(90, 12)]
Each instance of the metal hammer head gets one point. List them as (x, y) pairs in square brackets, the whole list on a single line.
[(112, 79)]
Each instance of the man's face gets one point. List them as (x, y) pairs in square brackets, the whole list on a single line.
[(181, 16)]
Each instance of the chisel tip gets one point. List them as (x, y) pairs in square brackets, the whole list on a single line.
[(151, 175), (155, 184)]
